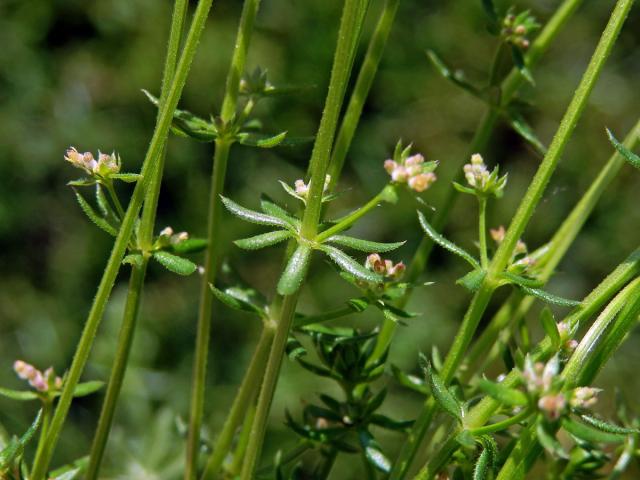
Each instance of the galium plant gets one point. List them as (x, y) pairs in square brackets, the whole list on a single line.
[(540, 407)]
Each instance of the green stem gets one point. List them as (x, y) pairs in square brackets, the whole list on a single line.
[(243, 441), (117, 253), (269, 382), (136, 282), (220, 160), (47, 409), (114, 198), (125, 339), (327, 464), (241, 403), (361, 89), (350, 27), (482, 231), (354, 216), (323, 317), (499, 426)]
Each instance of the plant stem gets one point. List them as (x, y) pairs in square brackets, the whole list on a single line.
[(114, 198), (136, 282), (286, 314), (117, 253), (47, 409), (498, 426), (350, 27), (361, 89), (482, 231), (354, 216), (243, 440), (243, 399), (533, 195), (220, 160)]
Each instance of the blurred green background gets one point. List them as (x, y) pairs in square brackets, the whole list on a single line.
[(71, 73)]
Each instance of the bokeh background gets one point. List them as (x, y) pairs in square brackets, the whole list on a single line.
[(71, 73)]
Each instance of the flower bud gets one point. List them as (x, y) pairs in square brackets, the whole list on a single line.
[(301, 188), (421, 182), (552, 405), (497, 234), (166, 232), (400, 174), (390, 166), (584, 397)]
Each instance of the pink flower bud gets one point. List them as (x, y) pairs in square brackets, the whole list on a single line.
[(421, 182), (390, 166), (399, 174), (414, 160)]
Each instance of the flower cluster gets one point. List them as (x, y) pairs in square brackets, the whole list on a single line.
[(301, 189), (103, 167), (515, 29), (542, 380), (169, 237), (386, 268), (413, 171), (42, 381)]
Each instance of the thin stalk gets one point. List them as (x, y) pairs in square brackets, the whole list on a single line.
[(125, 339), (482, 231), (517, 306), (241, 403), (114, 198), (356, 215), (220, 160), (499, 426), (350, 27), (136, 282), (533, 194), (47, 409), (327, 464), (243, 441), (367, 73), (120, 245)]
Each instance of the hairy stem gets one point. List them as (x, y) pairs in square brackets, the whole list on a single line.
[(482, 231), (136, 282), (350, 27), (220, 160), (117, 253)]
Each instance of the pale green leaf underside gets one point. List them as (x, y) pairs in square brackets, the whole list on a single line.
[(444, 243)]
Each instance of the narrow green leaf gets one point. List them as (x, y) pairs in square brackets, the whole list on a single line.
[(263, 240), (351, 266), (503, 394), (373, 453), (287, 188), (175, 264), (490, 10), (590, 434), (549, 442), (472, 280), (389, 423), (520, 280), (364, 245), (462, 189), (519, 62), (190, 245), (412, 382), (482, 469), (251, 215), (550, 327), (549, 297), (87, 388), (522, 128), (628, 155), (237, 299), (82, 182), (261, 140), (94, 217), (102, 202), (15, 448), (271, 208), (133, 259), (126, 177), (295, 271), (608, 427), (445, 398), (455, 77), (21, 395), (444, 243)]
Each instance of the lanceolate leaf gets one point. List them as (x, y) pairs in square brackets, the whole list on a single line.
[(348, 264), (263, 240), (410, 381), (608, 427), (275, 210), (134, 259), (234, 298), (454, 77), (628, 155), (295, 271), (373, 453), (251, 215), (483, 466), (550, 327), (94, 217), (126, 177), (87, 388), (519, 280), (519, 61), (15, 447), (261, 140), (472, 280), (445, 398), (444, 243), (590, 434), (503, 394), (174, 263), (520, 125), (191, 245), (548, 440), (364, 245), (21, 395), (549, 297)]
